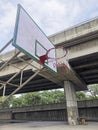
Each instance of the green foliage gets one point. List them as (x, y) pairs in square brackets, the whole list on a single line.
[(31, 98), (7, 103), (17, 102), (36, 98), (52, 97), (93, 93), (46, 97), (81, 96), (93, 89)]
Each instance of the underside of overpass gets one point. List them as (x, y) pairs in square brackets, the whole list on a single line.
[(84, 37), (86, 67), (38, 83), (45, 80)]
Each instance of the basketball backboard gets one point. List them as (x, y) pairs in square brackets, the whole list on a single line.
[(31, 40)]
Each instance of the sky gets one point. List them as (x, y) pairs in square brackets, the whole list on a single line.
[(52, 16)]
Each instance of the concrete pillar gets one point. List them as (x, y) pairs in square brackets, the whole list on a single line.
[(71, 103)]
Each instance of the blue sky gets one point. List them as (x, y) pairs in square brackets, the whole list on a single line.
[(51, 15)]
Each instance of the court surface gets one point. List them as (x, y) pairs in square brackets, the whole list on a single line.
[(45, 125)]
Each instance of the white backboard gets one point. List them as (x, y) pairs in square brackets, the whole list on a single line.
[(31, 40)]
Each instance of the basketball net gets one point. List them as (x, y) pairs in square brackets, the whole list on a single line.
[(43, 58), (61, 59)]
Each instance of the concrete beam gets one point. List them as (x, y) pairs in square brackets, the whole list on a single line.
[(83, 49), (75, 32), (86, 65), (88, 72)]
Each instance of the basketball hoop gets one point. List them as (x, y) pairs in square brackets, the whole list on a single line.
[(61, 53), (43, 58)]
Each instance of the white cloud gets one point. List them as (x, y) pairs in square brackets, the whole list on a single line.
[(7, 19), (51, 15)]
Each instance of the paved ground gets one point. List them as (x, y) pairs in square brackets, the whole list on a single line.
[(46, 126)]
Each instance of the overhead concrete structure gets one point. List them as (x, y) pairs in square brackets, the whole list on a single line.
[(45, 80), (82, 44)]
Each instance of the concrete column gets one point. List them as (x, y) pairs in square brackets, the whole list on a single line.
[(71, 103)]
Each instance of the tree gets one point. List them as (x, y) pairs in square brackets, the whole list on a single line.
[(31, 98), (43, 97), (81, 96), (7, 103), (93, 89), (53, 96), (17, 102), (37, 98)]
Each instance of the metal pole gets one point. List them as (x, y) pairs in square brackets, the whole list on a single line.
[(6, 63), (28, 63), (4, 90), (8, 83), (21, 77), (6, 45), (23, 84)]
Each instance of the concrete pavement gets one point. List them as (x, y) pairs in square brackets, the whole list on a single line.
[(47, 126)]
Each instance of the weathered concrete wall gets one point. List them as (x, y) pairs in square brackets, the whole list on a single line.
[(89, 109), (53, 112), (5, 115), (52, 115)]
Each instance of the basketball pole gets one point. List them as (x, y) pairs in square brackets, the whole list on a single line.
[(21, 85), (3, 84), (6, 45)]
